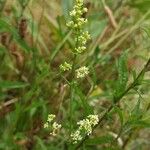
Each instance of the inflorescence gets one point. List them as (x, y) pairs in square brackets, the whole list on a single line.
[(77, 24), (65, 67), (53, 126), (85, 127), (82, 72)]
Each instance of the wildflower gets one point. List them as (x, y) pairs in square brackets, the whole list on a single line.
[(46, 125), (82, 39), (77, 24), (85, 125), (73, 13), (55, 128), (80, 49), (50, 117), (85, 128), (66, 66), (70, 24), (85, 10), (76, 136), (93, 119), (82, 72)]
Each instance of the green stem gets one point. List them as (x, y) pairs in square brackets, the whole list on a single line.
[(72, 81), (72, 89)]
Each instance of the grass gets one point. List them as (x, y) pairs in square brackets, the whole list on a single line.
[(35, 41)]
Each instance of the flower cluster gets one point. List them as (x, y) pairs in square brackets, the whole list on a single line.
[(81, 36), (82, 72), (77, 24), (76, 136), (66, 66), (53, 126), (77, 20), (85, 128)]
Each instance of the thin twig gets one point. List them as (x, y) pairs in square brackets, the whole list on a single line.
[(111, 16)]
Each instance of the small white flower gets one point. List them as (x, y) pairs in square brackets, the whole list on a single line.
[(76, 137), (85, 10), (82, 39), (87, 35), (55, 128), (46, 125), (80, 49), (70, 24), (93, 119), (51, 117), (81, 22), (73, 13), (79, 1), (85, 125), (82, 72)]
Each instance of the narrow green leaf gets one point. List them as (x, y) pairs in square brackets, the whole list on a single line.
[(12, 84), (139, 123), (122, 75)]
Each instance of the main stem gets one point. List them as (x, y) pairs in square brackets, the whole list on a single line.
[(72, 81), (131, 86), (72, 89)]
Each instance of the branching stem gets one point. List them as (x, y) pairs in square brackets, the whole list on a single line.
[(118, 99)]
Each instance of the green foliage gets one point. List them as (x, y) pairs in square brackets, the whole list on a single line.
[(32, 85), (142, 5), (122, 76)]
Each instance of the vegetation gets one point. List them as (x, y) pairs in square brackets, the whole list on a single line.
[(74, 74)]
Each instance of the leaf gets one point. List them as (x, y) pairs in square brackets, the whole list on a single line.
[(100, 140), (12, 84), (122, 75), (139, 123)]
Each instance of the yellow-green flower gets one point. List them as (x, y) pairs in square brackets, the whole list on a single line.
[(82, 72), (65, 66)]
